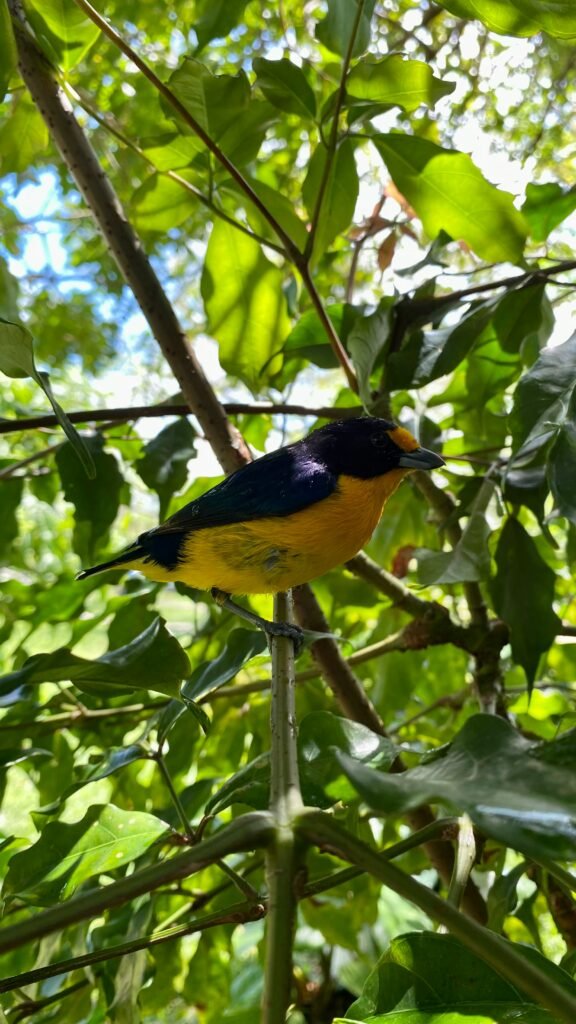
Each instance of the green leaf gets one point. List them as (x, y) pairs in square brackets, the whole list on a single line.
[(10, 497), (163, 465), (450, 194), (278, 205), (395, 81), (95, 501), (340, 195), (244, 302), (161, 204), (321, 734), (424, 978), (335, 30), (519, 17), (154, 660), (543, 394), (215, 101), (285, 86), (366, 342), (523, 593), (308, 340), (562, 463), (546, 206), (217, 19), (241, 646), (8, 55), (508, 785), (17, 360), (65, 856), (524, 317), (171, 151), (469, 559), (65, 27), (23, 135)]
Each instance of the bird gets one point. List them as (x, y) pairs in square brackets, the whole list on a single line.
[(282, 520)]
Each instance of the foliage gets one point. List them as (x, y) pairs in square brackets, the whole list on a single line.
[(307, 183)]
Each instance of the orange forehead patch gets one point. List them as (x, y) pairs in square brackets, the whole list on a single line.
[(404, 439)]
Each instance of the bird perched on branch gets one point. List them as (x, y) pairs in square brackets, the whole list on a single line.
[(283, 519)]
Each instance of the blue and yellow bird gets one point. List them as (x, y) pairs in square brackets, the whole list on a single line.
[(284, 519)]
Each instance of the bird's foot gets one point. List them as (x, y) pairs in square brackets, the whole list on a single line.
[(294, 633)]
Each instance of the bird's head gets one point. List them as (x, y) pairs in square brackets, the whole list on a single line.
[(366, 447)]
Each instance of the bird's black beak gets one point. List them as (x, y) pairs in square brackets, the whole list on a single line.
[(420, 458)]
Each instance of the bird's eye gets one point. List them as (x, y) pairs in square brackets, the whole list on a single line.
[(380, 440)]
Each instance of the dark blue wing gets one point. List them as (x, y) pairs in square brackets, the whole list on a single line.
[(278, 484)]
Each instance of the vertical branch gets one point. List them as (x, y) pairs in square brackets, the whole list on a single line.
[(282, 856)]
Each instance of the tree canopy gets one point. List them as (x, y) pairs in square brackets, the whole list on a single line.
[(223, 223)]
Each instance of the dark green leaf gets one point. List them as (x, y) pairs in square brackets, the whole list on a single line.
[(341, 192), (69, 30), (367, 341), (308, 340), (153, 661), (244, 303), (395, 81), (424, 978), (10, 498), (543, 394), (450, 194), (285, 86), (523, 592), (66, 855), (217, 19), (546, 206), (279, 206), (250, 785), (95, 501), (522, 316), (163, 465), (562, 463), (320, 736), (335, 30), (241, 645), (494, 774), (214, 101)]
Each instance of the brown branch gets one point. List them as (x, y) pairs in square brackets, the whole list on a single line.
[(126, 248), (123, 413), (355, 703)]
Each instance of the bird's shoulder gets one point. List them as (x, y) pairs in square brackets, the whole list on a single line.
[(277, 484)]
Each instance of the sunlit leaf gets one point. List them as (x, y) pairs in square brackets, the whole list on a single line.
[(66, 855), (339, 197), (450, 194), (519, 17), (285, 85), (396, 81), (8, 54), (335, 30)]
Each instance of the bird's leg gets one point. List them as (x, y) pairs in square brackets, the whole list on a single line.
[(271, 628)]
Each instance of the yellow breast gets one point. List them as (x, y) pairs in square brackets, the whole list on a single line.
[(276, 553)]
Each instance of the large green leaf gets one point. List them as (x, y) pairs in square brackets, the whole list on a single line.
[(335, 30), (510, 786), (450, 194), (163, 465), (285, 85), (216, 18), (244, 303), (214, 101), (546, 206), (23, 135), (519, 17), (64, 28), (154, 660), (366, 342), (65, 856), (10, 497), (395, 81), (562, 463), (308, 339), (340, 194), (523, 592), (95, 501), (543, 395), (524, 317), (17, 360), (424, 978), (161, 204)]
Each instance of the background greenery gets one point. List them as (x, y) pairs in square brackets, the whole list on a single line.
[(304, 191)]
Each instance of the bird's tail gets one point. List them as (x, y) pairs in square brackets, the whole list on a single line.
[(131, 554)]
